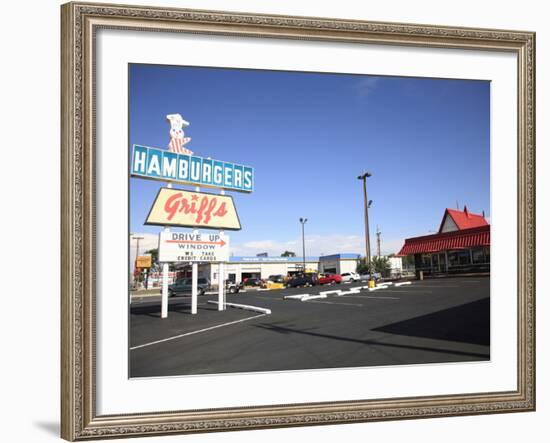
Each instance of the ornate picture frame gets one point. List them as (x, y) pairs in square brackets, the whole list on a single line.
[(80, 22)]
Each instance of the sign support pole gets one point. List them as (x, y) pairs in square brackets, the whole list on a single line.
[(194, 277), (221, 278), (164, 308), (165, 271), (194, 288), (221, 287)]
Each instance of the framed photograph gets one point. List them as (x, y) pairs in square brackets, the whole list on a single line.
[(275, 221)]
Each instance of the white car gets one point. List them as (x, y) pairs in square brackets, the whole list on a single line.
[(350, 276)]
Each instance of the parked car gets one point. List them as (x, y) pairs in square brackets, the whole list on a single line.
[(254, 282), (277, 278), (350, 276), (302, 280), (184, 286), (375, 275), (329, 279), (232, 287)]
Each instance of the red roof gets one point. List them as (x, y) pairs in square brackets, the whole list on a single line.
[(461, 239), (464, 219)]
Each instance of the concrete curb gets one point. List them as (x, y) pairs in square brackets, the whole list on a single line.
[(403, 283), (295, 297), (146, 295), (303, 297), (312, 297), (245, 307)]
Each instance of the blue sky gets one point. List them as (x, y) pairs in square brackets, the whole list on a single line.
[(308, 136)]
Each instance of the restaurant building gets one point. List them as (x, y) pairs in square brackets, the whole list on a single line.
[(461, 245)]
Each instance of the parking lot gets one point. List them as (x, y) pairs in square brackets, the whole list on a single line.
[(430, 321)]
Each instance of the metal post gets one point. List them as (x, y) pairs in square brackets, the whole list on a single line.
[(378, 233), (137, 254), (137, 246), (367, 222), (366, 204), (303, 222), (221, 287), (194, 277), (165, 272), (221, 277), (194, 287), (303, 247), (164, 302)]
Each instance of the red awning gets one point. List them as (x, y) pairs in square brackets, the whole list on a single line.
[(462, 239)]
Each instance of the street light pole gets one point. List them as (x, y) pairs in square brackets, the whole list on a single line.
[(367, 204), (378, 249), (303, 222)]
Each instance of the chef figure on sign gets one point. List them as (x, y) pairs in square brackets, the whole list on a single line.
[(177, 136)]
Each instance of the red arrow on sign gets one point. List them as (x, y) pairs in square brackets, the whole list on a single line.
[(195, 242)]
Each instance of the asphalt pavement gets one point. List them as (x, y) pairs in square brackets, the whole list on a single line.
[(432, 321)]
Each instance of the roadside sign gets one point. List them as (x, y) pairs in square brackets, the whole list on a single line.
[(177, 207), (167, 166), (191, 247), (143, 261)]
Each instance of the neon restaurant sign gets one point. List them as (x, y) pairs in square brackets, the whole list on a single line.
[(163, 165)]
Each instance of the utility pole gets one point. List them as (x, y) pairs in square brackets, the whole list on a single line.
[(378, 241), (367, 204), (303, 221), (137, 253)]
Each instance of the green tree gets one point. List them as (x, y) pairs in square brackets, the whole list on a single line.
[(288, 254), (379, 264), (382, 265), (362, 267)]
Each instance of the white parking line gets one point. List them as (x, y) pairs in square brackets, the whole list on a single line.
[(382, 298), (433, 286), (371, 296), (196, 332), (333, 303)]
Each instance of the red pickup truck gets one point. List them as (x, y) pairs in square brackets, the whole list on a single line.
[(328, 279)]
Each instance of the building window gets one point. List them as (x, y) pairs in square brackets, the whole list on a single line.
[(426, 260), (480, 255), (458, 258)]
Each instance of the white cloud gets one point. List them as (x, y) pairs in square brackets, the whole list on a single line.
[(366, 85), (315, 245), (272, 247)]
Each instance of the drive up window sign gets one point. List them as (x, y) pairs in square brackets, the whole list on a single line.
[(193, 247)]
